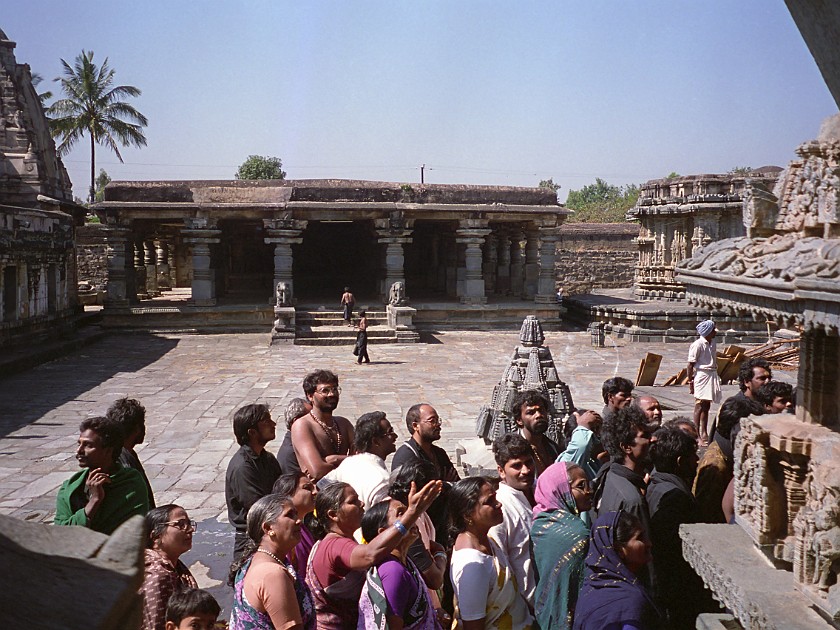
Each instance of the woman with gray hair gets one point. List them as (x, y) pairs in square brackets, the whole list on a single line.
[(297, 408), (267, 593)]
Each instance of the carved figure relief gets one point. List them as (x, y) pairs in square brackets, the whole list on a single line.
[(397, 294), (283, 294)]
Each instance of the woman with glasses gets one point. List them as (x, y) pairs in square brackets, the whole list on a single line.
[(560, 541), (169, 535)]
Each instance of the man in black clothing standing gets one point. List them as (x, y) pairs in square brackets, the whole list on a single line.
[(681, 592), (131, 416), (620, 485), (423, 422), (252, 470)]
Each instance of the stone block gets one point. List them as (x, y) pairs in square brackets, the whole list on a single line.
[(70, 577)]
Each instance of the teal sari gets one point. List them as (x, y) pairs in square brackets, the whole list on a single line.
[(560, 540)]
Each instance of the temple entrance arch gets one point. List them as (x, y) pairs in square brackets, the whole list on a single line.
[(335, 254)]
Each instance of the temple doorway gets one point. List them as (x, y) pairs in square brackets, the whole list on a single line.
[(335, 254), (247, 265)]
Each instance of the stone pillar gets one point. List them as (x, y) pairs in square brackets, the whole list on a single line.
[(170, 262), (532, 262), (200, 234), (283, 233), (162, 252), (517, 264), (547, 279), (151, 268), (818, 381), (140, 267), (471, 233), (491, 258), (503, 267), (120, 253), (393, 235)]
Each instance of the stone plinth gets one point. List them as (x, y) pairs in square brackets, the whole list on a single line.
[(283, 330), (70, 577), (401, 319), (760, 596)]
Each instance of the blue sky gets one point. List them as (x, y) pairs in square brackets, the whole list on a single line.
[(492, 92)]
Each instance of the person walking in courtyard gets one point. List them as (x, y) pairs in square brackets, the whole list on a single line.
[(348, 301), (703, 379), (361, 339)]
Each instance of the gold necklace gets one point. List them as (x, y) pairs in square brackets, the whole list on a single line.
[(332, 433)]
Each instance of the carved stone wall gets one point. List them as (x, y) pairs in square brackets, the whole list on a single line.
[(92, 255), (680, 215), (787, 270), (37, 215), (596, 256)]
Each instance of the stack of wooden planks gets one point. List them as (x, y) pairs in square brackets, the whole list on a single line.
[(782, 354)]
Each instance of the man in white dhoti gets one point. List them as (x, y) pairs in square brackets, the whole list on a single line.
[(703, 380)]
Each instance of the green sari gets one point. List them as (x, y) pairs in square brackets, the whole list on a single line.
[(560, 540)]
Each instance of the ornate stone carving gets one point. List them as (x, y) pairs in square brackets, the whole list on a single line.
[(396, 296), (680, 215), (531, 367), (283, 294)]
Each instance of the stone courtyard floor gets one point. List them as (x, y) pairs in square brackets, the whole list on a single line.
[(191, 384)]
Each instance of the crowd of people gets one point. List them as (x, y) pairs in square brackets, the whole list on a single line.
[(581, 534)]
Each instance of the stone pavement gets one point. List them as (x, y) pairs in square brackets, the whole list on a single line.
[(191, 384)]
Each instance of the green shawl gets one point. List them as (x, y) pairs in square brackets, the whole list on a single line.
[(125, 496)]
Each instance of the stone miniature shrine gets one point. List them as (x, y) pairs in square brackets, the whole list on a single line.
[(787, 469), (37, 215), (531, 367)]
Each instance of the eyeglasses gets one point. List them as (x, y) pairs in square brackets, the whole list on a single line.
[(434, 421), (184, 524), (328, 391)]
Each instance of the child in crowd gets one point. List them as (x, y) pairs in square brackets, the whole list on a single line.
[(192, 609)]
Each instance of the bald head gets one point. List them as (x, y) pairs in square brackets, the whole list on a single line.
[(651, 408)]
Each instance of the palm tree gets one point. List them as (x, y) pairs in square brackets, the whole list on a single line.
[(93, 106)]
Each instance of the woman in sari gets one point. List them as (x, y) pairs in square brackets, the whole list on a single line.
[(265, 595), (394, 596), (613, 597), (337, 564), (303, 492), (486, 593), (560, 540)]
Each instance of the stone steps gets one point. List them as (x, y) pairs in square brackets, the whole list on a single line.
[(327, 328)]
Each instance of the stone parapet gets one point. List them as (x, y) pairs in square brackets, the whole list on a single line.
[(760, 596)]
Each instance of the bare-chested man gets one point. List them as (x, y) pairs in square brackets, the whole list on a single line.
[(320, 439)]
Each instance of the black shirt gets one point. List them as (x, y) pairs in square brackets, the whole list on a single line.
[(249, 477), (438, 512), (128, 458), (286, 456)]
